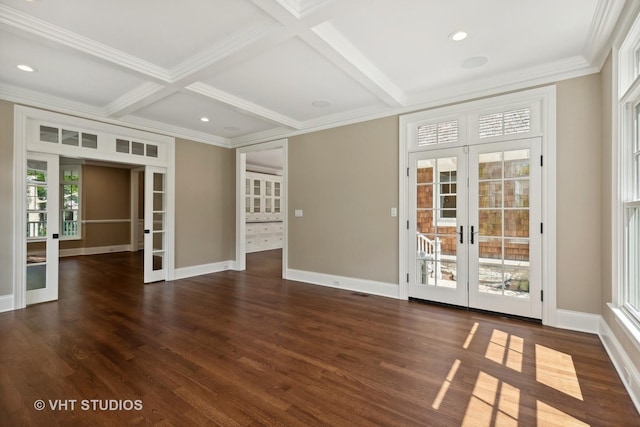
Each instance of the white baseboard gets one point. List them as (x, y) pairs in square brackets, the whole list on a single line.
[(199, 270), (390, 290), (98, 250), (577, 321), (621, 361), (6, 303)]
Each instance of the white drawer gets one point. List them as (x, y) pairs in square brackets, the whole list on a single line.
[(266, 239), (251, 229), (279, 228), (251, 242), (266, 228)]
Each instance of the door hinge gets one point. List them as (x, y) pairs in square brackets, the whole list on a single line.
[(541, 160), (541, 295), (407, 277), (407, 225), (407, 171), (541, 228)]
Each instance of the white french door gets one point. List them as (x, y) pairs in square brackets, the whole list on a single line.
[(155, 220), (477, 226), (42, 213)]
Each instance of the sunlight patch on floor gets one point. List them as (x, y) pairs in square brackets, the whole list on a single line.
[(445, 385), (467, 342), (492, 398), (548, 416), (505, 349), (556, 370)]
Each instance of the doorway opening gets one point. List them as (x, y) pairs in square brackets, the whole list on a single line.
[(82, 198), (261, 209)]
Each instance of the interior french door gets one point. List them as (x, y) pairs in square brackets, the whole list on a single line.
[(42, 196), (155, 219), (477, 227)]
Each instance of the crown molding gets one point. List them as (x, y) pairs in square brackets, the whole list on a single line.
[(535, 76), (174, 131), (47, 102), (243, 105), (75, 41), (79, 109), (602, 30)]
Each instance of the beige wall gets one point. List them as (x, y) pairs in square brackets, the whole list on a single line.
[(6, 198), (579, 196), (205, 204), (346, 182)]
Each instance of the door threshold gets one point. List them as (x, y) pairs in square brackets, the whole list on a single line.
[(477, 310)]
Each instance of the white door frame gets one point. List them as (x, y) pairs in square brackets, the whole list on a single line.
[(24, 139), (544, 100), (241, 232)]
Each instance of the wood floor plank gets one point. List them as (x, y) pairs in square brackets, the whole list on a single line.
[(249, 348)]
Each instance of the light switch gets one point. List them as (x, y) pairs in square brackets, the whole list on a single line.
[(394, 212), (298, 213)]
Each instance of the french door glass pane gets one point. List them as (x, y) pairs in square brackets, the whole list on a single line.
[(436, 204), (503, 223), (158, 233)]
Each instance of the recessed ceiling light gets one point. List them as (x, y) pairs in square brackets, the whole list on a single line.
[(458, 36), (475, 62), (204, 119), (26, 68), (321, 103)]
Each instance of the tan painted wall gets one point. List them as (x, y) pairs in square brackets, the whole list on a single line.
[(205, 204), (579, 196), (346, 182), (6, 198)]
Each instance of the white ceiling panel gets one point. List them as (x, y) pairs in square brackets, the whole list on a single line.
[(295, 77), (409, 41), (62, 72), (163, 32), (185, 110)]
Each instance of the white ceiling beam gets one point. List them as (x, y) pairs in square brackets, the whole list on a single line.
[(40, 28), (336, 48), (313, 27), (243, 105)]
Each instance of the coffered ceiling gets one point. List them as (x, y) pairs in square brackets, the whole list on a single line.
[(264, 69)]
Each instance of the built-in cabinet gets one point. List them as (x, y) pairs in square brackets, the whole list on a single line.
[(263, 211)]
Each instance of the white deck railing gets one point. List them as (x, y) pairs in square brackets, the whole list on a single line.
[(429, 253)]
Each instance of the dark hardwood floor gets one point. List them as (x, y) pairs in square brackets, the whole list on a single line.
[(248, 349)]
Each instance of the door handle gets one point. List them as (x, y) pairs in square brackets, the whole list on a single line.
[(471, 237), (461, 233), (147, 231), (55, 235)]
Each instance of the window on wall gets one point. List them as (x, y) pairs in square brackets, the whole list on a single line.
[(70, 181), (628, 170)]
